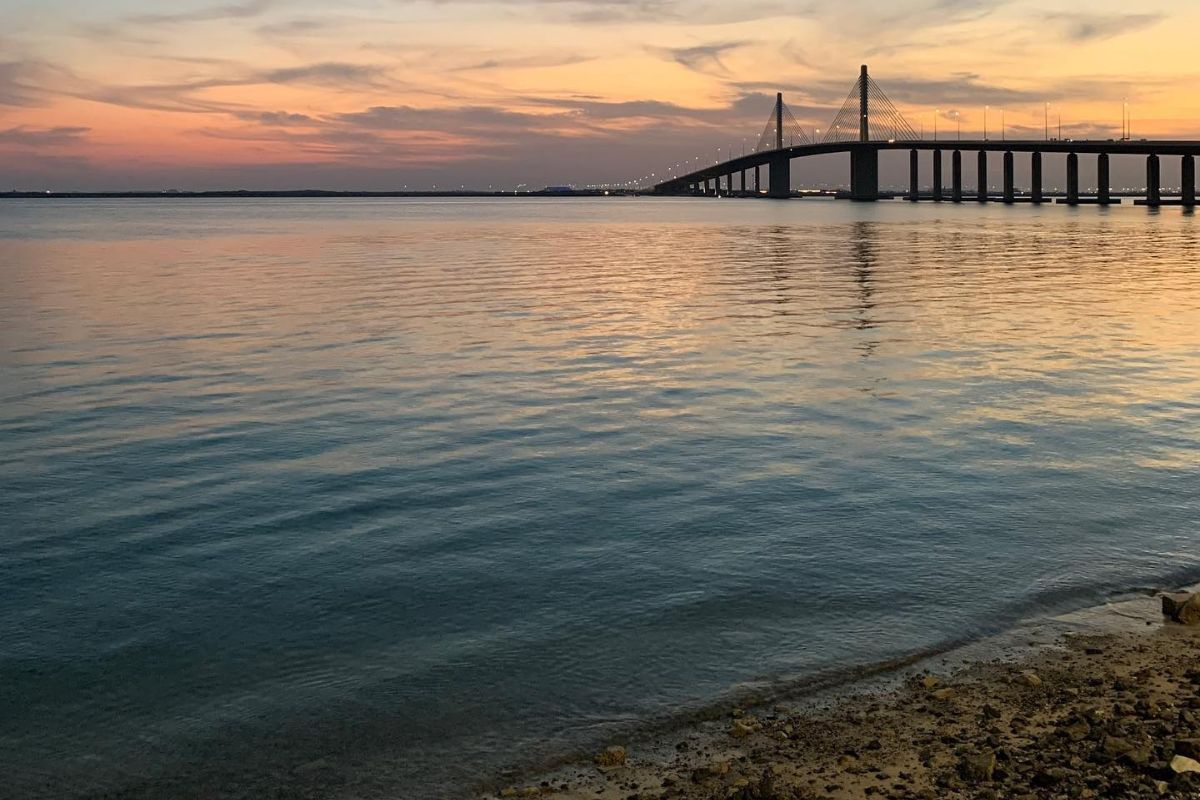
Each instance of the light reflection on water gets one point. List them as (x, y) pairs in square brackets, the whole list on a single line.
[(406, 488)]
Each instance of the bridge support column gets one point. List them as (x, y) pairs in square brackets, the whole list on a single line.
[(708, 187), (1188, 184), (864, 174), (1009, 191), (757, 180), (1103, 190), (732, 192), (956, 176), (1073, 179), (742, 183), (1153, 181), (1035, 178), (914, 176), (780, 177), (937, 175), (982, 193)]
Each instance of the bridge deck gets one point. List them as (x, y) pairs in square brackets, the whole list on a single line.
[(1136, 147)]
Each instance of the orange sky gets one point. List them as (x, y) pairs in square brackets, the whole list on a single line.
[(381, 94)]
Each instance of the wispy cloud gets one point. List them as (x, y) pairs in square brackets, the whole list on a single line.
[(704, 58), (547, 60), (245, 10), (1084, 27), (14, 91), (186, 96), (43, 137)]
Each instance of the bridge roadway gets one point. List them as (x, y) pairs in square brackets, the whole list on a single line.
[(864, 167)]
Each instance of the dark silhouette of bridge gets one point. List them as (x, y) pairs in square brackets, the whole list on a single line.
[(869, 123)]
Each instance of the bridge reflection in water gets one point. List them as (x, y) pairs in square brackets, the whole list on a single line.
[(885, 129)]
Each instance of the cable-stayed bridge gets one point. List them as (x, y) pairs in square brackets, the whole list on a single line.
[(869, 123)]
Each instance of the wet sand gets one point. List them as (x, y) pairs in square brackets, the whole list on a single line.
[(1100, 703)]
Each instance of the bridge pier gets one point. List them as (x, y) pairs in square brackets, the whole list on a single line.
[(864, 174), (1103, 189), (1009, 191), (982, 193), (780, 177), (1073, 179), (914, 176), (937, 175), (732, 191), (956, 176), (757, 180), (742, 184), (1153, 181), (1188, 184), (1035, 178)]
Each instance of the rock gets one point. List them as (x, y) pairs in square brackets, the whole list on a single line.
[(931, 682), (1181, 764), (1051, 777), (1188, 747), (767, 787), (1114, 746), (1078, 731), (508, 791), (943, 694), (611, 757), (1138, 757), (978, 767), (740, 729), (1029, 678), (1182, 608)]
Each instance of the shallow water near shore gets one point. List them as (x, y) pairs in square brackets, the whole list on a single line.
[(376, 498)]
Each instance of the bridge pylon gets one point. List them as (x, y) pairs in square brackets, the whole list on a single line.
[(779, 120), (864, 97)]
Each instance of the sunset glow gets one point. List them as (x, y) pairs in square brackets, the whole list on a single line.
[(379, 94)]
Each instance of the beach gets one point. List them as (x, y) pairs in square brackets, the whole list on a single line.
[(1109, 708)]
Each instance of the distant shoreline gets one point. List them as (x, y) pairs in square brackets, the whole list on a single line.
[(298, 193), (1169, 197)]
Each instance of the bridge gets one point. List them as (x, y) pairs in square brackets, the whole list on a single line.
[(869, 123)]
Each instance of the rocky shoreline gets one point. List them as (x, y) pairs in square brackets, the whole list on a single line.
[(1100, 715)]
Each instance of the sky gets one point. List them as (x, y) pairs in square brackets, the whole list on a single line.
[(392, 94)]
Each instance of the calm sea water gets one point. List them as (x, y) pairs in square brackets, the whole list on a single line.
[(374, 498)]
